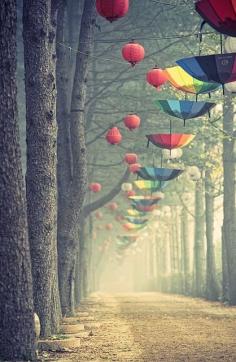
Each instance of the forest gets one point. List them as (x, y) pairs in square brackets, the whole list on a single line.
[(117, 164)]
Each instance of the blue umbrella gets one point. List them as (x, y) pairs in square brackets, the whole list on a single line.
[(135, 220), (217, 68), (185, 109), (161, 174)]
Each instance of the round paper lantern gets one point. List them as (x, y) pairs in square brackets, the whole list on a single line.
[(194, 173), (109, 226), (156, 77), (132, 121), (133, 53), (134, 167), (130, 193), (99, 215), (113, 206), (112, 9), (173, 155), (114, 136), (95, 187), (126, 187), (230, 44), (131, 158)]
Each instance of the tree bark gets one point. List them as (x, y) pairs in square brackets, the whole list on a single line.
[(212, 287), (68, 221), (199, 255), (17, 337), (228, 237), (185, 251), (39, 25)]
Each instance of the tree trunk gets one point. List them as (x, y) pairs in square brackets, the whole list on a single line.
[(212, 287), (199, 257), (75, 193), (185, 251), (228, 238), (17, 337), (39, 23)]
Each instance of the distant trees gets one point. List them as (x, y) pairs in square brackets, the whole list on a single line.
[(17, 339)]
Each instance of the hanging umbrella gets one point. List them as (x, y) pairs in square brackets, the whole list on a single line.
[(185, 82), (129, 226), (142, 208), (215, 68), (136, 220), (221, 15), (132, 212), (170, 140), (150, 185), (146, 202), (161, 174), (184, 109)]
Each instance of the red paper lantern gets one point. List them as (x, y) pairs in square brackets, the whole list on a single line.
[(113, 206), (131, 158), (109, 226), (112, 9), (134, 167), (156, 77), (130, 193), (114, 136), (95, 187), (133, 53), (132, 121), (99, 215)]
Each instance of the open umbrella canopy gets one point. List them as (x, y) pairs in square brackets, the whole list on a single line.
[(214, 68), (143, 208), (184, 109), (221, 15), (136, 220), (126, 239), (170, 140), (150, 185), (185, 82), (132, 212), (161, 174), (141, 197), (146, 202), (130, 226)]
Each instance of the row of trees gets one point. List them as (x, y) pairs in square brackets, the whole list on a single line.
[(76, 86)]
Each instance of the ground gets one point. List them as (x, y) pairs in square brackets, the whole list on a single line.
[(157, 327)]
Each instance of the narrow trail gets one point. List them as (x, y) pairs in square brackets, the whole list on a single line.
[(157, 327)]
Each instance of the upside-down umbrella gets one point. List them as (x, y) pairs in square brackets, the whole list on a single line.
[(129, 226), (221, 15), (214, 68), (170, 140), (132, 212), (161, 174), (136, 220), (184, 109), (142, 208), (185, 82), (146, 202), (150, 185)]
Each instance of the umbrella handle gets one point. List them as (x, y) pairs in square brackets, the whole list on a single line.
[(148, 143)]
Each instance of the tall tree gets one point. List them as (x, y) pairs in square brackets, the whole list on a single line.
[(39, 26), (69, 217), (16, 296), (199, 253), (229, 224)]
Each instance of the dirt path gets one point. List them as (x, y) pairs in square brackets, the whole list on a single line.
[(157, 327)]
